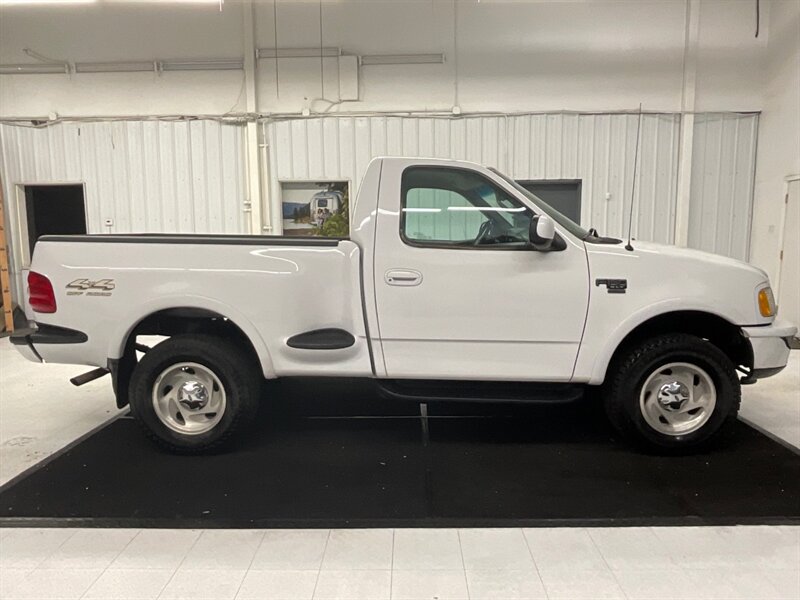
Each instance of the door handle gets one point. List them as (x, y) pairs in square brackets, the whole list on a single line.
[(403, 277)]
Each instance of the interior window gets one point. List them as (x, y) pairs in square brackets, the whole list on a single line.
[(458, 207)]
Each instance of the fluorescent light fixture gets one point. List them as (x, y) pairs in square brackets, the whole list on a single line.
[(219, 2), (402, 59), (28, 2), (483, 209), (34, 69), (298, 52), (115, 67), (422, 210), (223, 64)]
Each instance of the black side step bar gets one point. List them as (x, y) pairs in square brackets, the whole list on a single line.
[(480, 391)]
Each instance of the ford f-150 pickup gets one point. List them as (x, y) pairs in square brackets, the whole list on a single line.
[(455, 283)]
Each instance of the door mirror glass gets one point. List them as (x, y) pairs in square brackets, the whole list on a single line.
[(542, 233)]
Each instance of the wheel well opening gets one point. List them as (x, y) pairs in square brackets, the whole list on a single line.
[(168, 323), (723, 334)]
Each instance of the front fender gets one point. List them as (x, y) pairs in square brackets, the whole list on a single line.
[(599, 346)]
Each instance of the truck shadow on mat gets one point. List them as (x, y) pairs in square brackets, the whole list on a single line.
[(334, 454)]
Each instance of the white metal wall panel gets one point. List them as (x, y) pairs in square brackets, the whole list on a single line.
[(191, 176), (598, 149), (331, 148), (147, 176), (723, 167)]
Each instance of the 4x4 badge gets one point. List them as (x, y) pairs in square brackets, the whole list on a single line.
[(97, 287)]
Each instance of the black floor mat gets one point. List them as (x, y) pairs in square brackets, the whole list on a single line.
[(321, 457)]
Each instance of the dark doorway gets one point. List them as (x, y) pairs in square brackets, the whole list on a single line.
[(563, 195), (54, 209)]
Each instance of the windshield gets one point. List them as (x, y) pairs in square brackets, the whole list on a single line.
[(565, 222)]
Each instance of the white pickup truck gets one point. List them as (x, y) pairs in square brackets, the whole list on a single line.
[(456, 283)]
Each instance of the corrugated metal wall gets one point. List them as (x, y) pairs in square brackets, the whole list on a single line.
[(723, 178), (597, 149), (144, 175), (191, 176)]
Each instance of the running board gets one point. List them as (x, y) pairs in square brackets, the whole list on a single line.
[(479, 391)]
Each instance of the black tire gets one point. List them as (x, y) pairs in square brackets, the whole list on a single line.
[(630, 371), (236, 370)]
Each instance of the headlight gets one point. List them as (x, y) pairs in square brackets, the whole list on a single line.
[(766, 302)]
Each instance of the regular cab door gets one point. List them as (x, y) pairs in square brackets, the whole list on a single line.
[(459, 293)]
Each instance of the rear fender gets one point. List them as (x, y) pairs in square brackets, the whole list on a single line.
[(129, 321)]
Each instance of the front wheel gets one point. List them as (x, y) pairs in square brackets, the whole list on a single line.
[(673, 393), (192, 392)]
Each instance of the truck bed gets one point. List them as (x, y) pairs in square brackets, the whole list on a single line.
[(272, 288)]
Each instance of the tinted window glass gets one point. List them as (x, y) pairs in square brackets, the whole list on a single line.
[(565, 222), (458, 207)]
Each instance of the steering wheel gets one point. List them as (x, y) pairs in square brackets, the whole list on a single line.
[(484, 231)]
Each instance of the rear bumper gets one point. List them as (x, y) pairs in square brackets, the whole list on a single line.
[(28, 339), (771, 347)]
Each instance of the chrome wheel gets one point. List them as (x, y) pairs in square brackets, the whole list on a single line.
[(677, 398), (189, 398)]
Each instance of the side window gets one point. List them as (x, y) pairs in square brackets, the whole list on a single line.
[(459, 208)]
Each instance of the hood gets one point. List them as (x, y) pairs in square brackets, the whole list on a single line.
[(715, 261)]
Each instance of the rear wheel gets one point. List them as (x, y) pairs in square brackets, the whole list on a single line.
[(673, 393), (191, 393)]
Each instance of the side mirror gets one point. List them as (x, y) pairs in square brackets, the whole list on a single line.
[(542, 233)]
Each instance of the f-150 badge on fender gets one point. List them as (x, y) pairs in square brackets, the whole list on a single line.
[(98, 287), (614, 286)]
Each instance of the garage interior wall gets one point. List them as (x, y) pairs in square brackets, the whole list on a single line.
[(595, 148), (160, 176), (546, 85), (538, 55), (779, 135), (598, 149), (723, 178), (138, 176)]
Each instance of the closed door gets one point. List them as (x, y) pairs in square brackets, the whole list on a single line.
[(789, 292), (459, 293)]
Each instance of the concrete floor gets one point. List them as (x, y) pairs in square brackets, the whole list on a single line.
[(647, 563), (773, 404), (40, 412)]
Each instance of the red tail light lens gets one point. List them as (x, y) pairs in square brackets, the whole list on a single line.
[(40, 293)]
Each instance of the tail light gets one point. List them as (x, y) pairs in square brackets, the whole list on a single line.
[(40, 293)]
